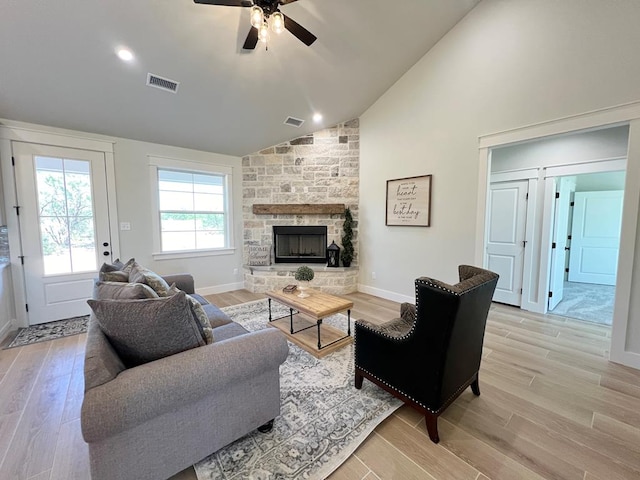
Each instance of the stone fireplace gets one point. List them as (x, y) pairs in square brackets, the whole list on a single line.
[(321, 168)]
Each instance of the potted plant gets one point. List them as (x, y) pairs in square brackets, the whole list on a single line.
[(304, 274), (347, 235)]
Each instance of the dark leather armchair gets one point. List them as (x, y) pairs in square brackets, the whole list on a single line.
[(431, 354)]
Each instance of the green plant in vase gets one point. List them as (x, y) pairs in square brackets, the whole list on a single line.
[(346, 255), (304, 275)]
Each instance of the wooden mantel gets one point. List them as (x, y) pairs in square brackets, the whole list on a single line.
[(298, 208)]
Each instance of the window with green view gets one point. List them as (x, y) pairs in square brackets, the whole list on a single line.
[(193, 210)]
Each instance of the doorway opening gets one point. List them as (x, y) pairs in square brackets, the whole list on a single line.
[(585, 245), (65, 233), (553, 222)]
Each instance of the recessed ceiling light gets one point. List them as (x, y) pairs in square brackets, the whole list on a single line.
[(317, 117), (125, 55)]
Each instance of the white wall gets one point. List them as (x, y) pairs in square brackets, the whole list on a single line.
[(7, 308), (600, 182), (582, 147), (212, 274), (133, 197), (508, 64)]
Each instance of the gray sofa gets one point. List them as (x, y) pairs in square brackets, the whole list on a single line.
[(156, 419)]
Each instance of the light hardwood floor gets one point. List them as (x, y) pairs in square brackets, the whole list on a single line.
[(552, 407)]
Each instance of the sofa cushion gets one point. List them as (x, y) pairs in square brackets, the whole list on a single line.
[(216, 316), (229, 330), (200, 298), (122, 291), (140, 274), (142, 331)]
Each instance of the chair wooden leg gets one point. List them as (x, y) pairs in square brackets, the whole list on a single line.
[(432, 426), (475, 387), (358, 380)]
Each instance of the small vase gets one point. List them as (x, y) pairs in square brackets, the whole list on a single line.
[(303, 286)]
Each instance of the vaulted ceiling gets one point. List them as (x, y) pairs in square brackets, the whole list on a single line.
[(58, 66)]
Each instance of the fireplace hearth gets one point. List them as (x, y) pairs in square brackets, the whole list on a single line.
[(300, 244)]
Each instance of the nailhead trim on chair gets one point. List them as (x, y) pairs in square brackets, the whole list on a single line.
[(410, 332), (455, 394)]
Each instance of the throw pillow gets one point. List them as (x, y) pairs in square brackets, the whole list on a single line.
[(198, 313), (116, 276), (122, 291), (142, 331), (112, 267), (116, 271), (140, 274)]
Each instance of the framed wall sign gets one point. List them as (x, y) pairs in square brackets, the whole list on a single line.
[(259, 255), (409, 201)]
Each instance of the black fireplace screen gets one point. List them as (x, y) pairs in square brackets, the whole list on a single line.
[(304, 244)]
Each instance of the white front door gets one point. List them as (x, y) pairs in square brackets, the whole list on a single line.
[(560, 237), (506, 238), (595, 237), (64, 227)]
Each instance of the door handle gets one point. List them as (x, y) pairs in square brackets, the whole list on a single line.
[(567, 248)]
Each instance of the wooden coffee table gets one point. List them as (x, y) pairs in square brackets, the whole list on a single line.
[(307, 330)]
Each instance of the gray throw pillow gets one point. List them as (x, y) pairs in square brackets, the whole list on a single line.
[(122, 291), (198, 313), (140, 274), (116, 271), (142, 331), (112, 267), (117, 276)]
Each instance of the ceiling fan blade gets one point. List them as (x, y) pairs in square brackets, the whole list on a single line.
[(252, 39), (301, 33), (226, 3)]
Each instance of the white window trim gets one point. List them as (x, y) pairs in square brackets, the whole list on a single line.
[(156, 162)]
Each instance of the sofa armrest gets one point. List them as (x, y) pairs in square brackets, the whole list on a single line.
[(147, 391), (184, 281)]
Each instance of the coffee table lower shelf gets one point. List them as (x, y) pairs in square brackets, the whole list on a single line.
[(306, 335)]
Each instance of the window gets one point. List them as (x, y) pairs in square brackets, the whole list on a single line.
[(193, 208)]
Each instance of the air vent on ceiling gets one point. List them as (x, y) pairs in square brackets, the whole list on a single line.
[(162, 83), (293, 122)]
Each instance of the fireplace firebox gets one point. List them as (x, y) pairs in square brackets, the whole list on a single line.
[(300, 244)]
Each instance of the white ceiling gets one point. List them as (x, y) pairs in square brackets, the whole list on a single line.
[(58, 66)]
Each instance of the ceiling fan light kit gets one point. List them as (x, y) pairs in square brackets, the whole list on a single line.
[(265, 15)]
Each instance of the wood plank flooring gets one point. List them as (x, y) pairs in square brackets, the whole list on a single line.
[(552, 407)]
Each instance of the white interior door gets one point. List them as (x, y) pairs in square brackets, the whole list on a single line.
[(595, 237), (64, 227), (560, 236), (506, 238)]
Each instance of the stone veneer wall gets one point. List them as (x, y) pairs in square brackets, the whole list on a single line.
[(322, 167)]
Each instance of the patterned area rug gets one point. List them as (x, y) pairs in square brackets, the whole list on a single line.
[(323, 418), (50, 331)]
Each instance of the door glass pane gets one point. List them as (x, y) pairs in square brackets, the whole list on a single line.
[(65, 208)]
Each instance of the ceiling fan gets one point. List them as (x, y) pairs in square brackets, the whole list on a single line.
[(266, 15)]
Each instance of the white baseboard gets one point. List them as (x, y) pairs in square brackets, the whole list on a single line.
[(387, 295), (630, 359), (229, 287)]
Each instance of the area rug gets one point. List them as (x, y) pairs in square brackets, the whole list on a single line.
[(587, 301), (50, 331), (323, 417)]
